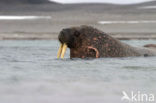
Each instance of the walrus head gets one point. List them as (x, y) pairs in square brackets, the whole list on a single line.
[(84, 42)]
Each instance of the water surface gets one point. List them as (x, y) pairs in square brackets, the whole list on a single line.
[(30, 73)]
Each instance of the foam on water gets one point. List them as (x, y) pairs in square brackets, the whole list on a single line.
[(23, 17), (30, 73), (127, 22)]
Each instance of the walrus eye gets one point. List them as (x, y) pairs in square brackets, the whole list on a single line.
[(76, 33)]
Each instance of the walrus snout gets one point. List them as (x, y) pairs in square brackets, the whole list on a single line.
[(67, 38), (64, 36)]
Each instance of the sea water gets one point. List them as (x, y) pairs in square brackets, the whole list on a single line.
[(31, 73)]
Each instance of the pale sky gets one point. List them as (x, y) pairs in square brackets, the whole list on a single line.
[(99, 1)]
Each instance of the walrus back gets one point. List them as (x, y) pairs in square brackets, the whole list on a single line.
[(128, 50), (142, 51)]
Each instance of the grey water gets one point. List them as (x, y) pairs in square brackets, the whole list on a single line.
[(31, 73)]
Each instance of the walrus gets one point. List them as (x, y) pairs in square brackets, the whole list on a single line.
[(89, 42)]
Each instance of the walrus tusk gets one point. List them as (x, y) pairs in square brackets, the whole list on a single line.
[(62, 50), (59, 51)]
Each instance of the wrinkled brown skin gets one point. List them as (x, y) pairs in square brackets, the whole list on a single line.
[(89, 42)]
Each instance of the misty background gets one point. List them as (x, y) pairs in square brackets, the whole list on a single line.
[(102, 1), (44, 19)]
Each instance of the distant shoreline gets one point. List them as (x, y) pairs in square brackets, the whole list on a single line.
[(96, 1), (54, 36), (129, 21)]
